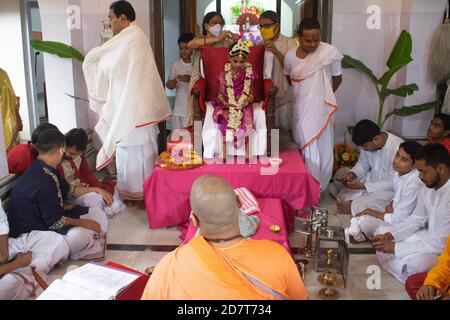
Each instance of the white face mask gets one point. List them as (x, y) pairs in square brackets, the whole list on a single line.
[(216, 30)]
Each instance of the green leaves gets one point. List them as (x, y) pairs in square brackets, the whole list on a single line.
[(411, 110), (352, 63), (57, 48), (400, 57), (402, 91)]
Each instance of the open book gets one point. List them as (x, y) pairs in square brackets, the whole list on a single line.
[(90, 282)]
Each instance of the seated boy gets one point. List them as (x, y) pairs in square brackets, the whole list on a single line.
[(372, 175), (75, 170), (42, 201), (439, 130), (40, 249), (22, 156), (372, 211)]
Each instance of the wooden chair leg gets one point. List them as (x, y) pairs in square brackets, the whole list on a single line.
[(224, 150), (248, 149)]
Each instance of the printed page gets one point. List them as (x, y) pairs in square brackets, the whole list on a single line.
[(61, 290), (101, 278)]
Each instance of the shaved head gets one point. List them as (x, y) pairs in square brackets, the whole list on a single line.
[(214, 203)]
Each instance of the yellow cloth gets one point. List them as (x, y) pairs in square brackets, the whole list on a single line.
[(439, 276), (201, 271), (8, 103)]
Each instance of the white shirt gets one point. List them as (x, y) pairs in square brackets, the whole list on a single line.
[(406, 190), (181, 68), (375, 168), (291, 62), (4, 226), (432, 209)]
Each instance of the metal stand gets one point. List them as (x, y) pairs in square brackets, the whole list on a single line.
[(308, 251)]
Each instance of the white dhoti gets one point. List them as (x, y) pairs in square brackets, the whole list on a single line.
[(84, 243), (403, 267), (126, 91), (364, 227), (48, 249), (213, 139), (135, 159), (318, 157), (314, 106), (94, 200), (362, 198)]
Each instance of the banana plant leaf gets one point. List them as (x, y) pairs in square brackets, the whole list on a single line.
[(352, 63), (400, 57), (402, 91), (411, 110), (57, 48)]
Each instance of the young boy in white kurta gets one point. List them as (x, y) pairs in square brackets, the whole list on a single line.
[(414, 245), (41, 249), (373, 173), (179, 78), (373, 213)]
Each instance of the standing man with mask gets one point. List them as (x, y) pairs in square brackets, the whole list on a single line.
[(126, 90), (278, 45)]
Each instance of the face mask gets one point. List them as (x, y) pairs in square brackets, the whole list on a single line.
[(216, 30), (268, 33)]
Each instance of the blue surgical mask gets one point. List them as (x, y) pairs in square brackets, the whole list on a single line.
[(216, 30)]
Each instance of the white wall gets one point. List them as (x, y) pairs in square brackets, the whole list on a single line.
[(425, 18), (59, 73), (171, 35), (357, 98), (11, 56)]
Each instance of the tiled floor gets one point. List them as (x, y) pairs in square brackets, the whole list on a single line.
[(133, 244)]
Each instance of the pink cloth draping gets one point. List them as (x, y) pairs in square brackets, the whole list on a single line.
[(271, 214), (167, 192)]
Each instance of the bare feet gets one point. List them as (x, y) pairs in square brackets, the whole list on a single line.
[(344, 207)]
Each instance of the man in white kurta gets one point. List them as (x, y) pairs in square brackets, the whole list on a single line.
[(47, 249), (406, 189), (371, 212), (126, 91), (414, 245), (314, 69), (373, 173)]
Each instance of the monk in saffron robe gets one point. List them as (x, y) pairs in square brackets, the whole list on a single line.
[(220, 264)]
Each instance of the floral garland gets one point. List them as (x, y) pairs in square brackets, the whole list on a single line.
[(235, 113)]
